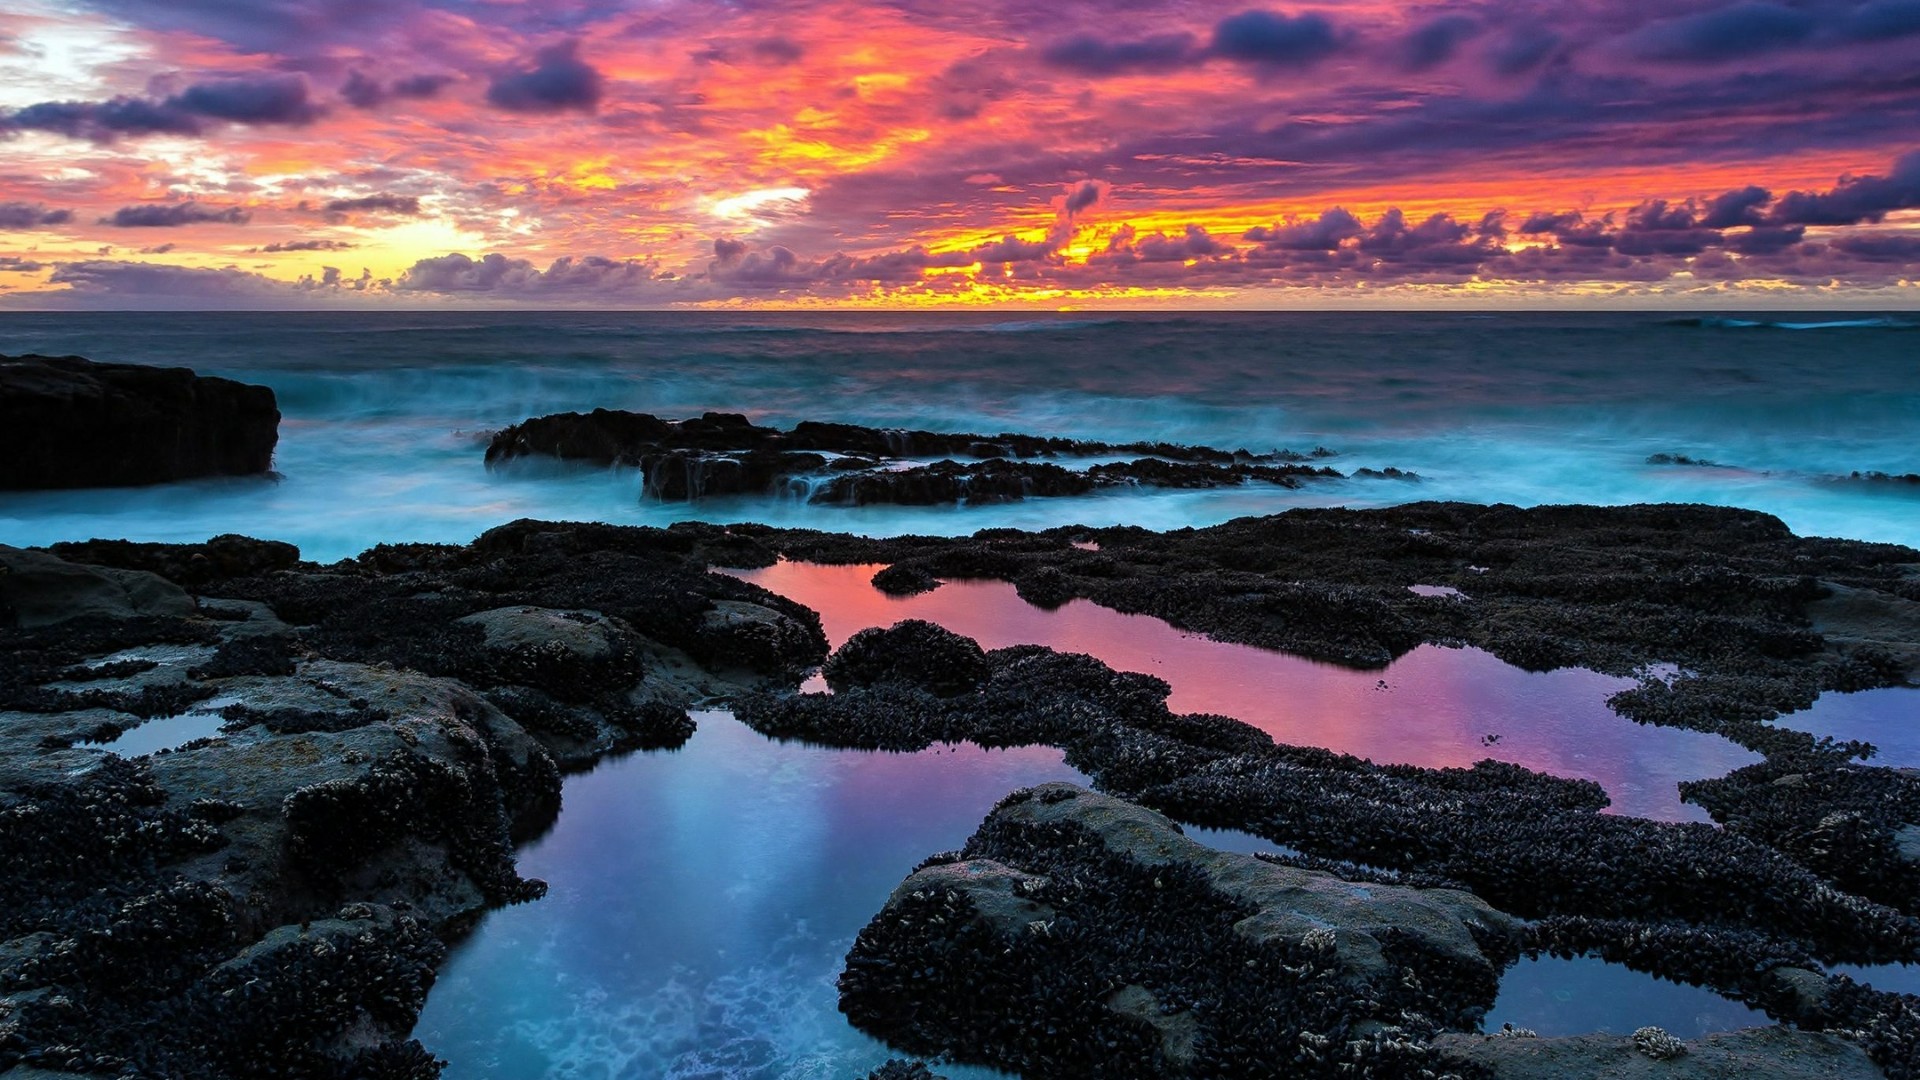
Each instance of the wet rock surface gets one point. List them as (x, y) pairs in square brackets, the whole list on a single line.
[(1812, 867), (1752, 620), (73, 423), (274, 899), (1080, 935), (1771, 1052), (1531, 845), (393, 724), (848, 465)]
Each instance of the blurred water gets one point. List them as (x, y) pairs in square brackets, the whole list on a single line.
[(386, 413)]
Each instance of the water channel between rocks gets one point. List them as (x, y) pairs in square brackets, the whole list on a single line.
[(703, 900)]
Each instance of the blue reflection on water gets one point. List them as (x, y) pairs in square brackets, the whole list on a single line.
[(1887, 717), (702, 904), (1558, 996), (1892, 978)]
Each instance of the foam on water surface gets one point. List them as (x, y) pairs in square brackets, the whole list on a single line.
[(385, 412)]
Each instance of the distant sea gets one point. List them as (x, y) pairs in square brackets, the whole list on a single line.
[(387, 414)]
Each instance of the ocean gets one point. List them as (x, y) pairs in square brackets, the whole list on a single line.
[(386, 414)]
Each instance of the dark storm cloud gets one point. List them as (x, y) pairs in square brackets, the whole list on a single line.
[(1855, 199), (269, 99), (1089, 55), (377, 204), (1569, 227), (109, 278), (303, 245), (1727, 33), (556, 81), (1881, 247), (1883, 20), (1740, 207), (1270, 39), (270, 26), (174, 215), (1522, 50), (1764, 239), (1435, 42), (26, 215), (778, 51), (102, 121), (1083, 197), (363, 92), (584, 278), (1324, 233)]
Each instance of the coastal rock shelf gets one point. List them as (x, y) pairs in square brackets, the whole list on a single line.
[(846, 465), (394, 725), (273, 898), (73, 423)]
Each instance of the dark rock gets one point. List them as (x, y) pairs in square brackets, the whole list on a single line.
[(896, 1069), (191, 565), (911, 653), (847, 465), (37, 589), (1079, 935), (72, 423), (181, 919), (1771, 1052), (904, 579)]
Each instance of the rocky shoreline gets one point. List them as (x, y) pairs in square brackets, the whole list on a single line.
[(847, 465), (74, 423), (277, 896)]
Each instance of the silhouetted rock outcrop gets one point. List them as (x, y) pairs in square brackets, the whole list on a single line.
[(72, 423)]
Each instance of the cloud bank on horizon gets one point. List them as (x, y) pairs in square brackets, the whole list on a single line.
[(642, 153)]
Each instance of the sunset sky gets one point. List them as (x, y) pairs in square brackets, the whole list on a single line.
[(1053, 153)]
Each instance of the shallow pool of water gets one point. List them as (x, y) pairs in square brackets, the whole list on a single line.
[(203, 721), (1888, 717), (1556, 996), (1435, 706), (1893, 978), (702, 903)]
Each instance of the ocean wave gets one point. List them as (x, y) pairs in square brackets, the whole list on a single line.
[(1877, 322)]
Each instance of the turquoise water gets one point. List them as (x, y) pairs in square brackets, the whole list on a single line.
[(702, 902), (386, 413)]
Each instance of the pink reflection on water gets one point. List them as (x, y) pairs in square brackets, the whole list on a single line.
[(1433, 707)]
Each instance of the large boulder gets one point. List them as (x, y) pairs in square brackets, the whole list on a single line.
[(72, 423), (1081, 935), (38, 589)]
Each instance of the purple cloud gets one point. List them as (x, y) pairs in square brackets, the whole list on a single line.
[(20, 216), (174, 215), (1854, 199), (1324, 233), (1728, 33), (1435, 42), (557, 81), (1273, 40), (1085, 54)]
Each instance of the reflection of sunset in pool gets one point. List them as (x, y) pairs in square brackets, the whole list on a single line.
[(1434, 707)]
